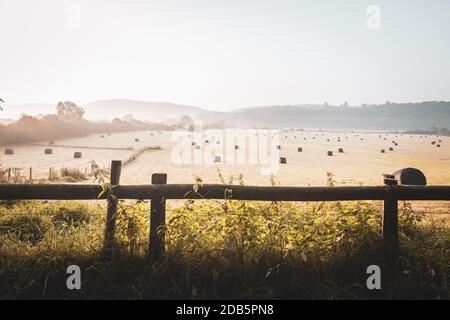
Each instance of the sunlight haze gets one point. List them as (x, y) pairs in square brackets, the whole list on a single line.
[(223, 55)]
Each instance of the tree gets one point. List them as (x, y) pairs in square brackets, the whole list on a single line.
[(117, 121), (128, 118), (68, 110), (187, 122)]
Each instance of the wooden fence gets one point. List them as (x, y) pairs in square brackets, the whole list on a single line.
[(159, 191)]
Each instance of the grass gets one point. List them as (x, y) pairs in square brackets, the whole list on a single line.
[(72, 175), (220, 250), (68, 175), (138, 153)]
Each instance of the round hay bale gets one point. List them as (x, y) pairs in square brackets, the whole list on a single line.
[(330, 153), (391, 149), (383, 151), (300, 149), (102, 136), (438, 145), (197, 147), (78, 155), (341, 150), (206, 141), (193, 143), (410, 176), (279, 147), (433, 143), (217, 159), (48, 151), (283, 160), (328, 140), (9, 151), (136, 140), (236, 147)]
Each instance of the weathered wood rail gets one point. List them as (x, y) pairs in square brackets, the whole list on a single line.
[(158, 192), (218, 191)]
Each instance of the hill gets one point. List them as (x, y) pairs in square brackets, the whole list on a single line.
[(109, 109), (389, 116), (141, 110), (13, 111)]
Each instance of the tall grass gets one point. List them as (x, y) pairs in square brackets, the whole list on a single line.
[(219, 249), (72, 175)]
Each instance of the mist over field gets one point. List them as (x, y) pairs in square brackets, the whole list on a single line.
[(258, 150), (388, 116)]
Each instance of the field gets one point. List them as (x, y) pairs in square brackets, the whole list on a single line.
[(243, 250), (230, 249), (361, 162)]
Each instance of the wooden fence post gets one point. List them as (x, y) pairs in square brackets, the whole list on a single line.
[(157, 219), (390, 223), (110, 223), (9, 174), (31, 175)]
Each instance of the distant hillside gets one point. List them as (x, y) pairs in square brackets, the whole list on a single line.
[(6, 121), (51, 127), (13, 111), (109, 109), (141, 110), (389, 116)]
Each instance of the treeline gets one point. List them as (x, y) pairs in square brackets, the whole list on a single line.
[(51, 127), (431, 131), (388, 116)]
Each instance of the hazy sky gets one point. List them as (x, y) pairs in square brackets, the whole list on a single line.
[(225, 54)]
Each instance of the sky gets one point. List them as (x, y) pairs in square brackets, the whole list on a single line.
[(225, 54)]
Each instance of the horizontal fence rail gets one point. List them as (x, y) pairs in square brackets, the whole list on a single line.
[(158, 192), (216, 191)]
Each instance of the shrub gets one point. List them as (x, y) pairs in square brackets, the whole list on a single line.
[(71, 216), (72, 175), (24, 227), (221, 250)]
